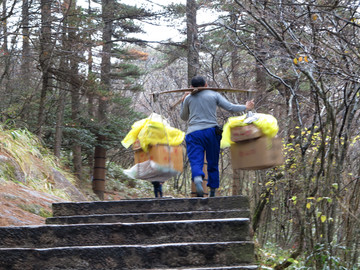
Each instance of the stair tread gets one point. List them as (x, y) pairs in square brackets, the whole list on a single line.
[(135, 245), (244, 267), (148, 217), (143, 234), (131, 223), (159, 213), (190, 255), (150, 205), (234, 229)]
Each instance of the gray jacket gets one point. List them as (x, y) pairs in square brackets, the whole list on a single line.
[(200, 109)]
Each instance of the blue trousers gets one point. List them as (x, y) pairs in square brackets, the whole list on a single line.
[(197, 143)]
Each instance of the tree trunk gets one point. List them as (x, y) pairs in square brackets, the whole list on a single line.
[(25, 65), (59, 122), (5, 77), (100, 150), (193, 44), (235, 81), (90, 96), (45, 56), (259, 69), (62, 95), (75, 94), (4, 29), (236, 183)]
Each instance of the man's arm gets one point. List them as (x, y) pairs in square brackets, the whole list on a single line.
[(231, 107), (228, 106), (184, 111)]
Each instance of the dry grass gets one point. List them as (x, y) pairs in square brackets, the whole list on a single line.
[(33, 161)]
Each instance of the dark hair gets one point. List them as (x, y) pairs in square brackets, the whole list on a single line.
[(198, 81)]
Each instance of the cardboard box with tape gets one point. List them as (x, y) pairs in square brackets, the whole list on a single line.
[(243, 133), (257, 154), (171, 156)]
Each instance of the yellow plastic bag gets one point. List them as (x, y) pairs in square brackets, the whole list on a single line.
[(265, 122), (153, 130)]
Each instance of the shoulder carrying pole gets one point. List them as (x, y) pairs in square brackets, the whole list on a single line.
[(198, 89)]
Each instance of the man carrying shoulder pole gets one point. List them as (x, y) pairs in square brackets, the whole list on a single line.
[(204, 133)]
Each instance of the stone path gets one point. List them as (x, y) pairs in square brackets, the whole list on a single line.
[(193, 233)]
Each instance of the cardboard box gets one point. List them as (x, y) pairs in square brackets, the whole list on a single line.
[(163, 155), (257, 154), (243, 133)]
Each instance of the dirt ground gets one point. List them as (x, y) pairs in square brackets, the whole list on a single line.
[(21, 206)]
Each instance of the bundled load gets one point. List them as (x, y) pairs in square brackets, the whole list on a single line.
[(151, 131), (248, 126), (252, 141), (157, 150)]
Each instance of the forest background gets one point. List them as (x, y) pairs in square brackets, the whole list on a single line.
[(75, 75)]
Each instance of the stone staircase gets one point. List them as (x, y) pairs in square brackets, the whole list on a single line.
[(191, 233)]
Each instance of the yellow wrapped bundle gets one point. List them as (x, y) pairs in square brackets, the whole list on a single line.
[(265, 122), (153, 130)]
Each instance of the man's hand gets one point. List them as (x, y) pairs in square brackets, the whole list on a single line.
[(249, 105)]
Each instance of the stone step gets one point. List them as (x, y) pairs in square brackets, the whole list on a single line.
[(150, 206), (234, 267), (235, 229), (165, 256), (149, 217)]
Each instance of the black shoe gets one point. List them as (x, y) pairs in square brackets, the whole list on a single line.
[(212, 192)]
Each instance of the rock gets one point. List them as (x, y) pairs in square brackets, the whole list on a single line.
[(61, 182), (9, 167)]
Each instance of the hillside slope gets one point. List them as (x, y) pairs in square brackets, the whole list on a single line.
[(20, 205), (31, 179)]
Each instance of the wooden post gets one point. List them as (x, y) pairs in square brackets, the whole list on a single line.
[(236, 182), (98, 181), (239, 184)]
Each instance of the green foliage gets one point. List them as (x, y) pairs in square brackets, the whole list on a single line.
[(270, 255), (291, 194), (321, 255), (35, 209), (125, 71), (118, 127), (118, 182), (176, 10), (85, 131), (126, 16)]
